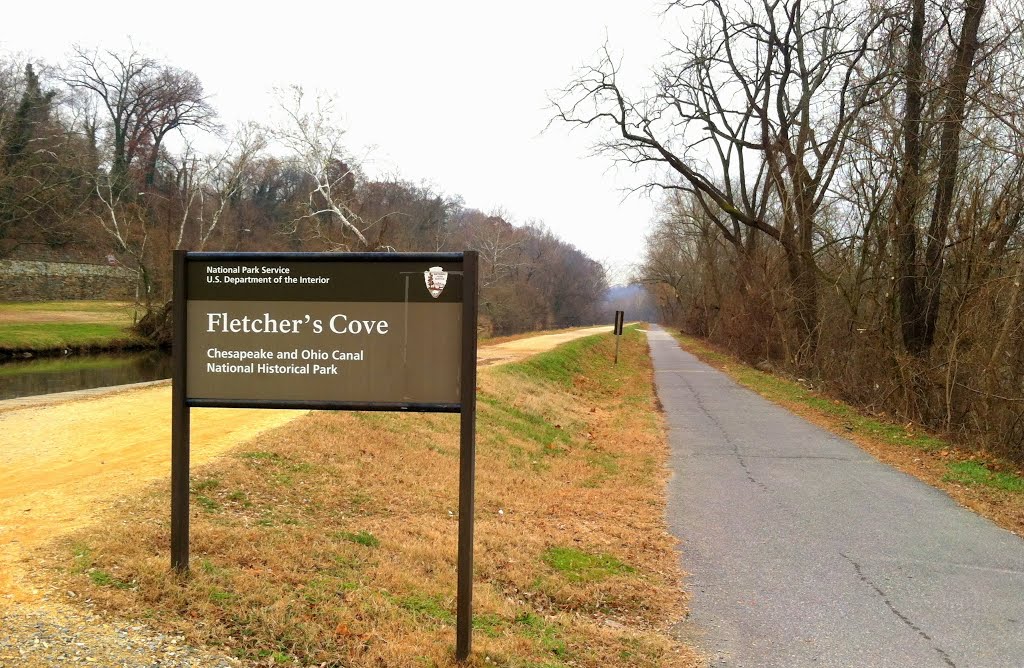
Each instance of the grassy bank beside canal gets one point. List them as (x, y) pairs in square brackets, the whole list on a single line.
[(47, 328)]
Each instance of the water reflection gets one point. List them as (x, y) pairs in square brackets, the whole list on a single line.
[(80, 372)]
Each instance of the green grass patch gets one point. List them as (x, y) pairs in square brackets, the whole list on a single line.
[(82, 559), (63, 335), (519, 423), (364, 538), (238, 496), (607, 466), (211, 568), (489, 624), (205, 501), (207, 504), (536, 627), (205, 485), (974, 474), (427, 606), (529, 438), (579, 566), (261, 456), (221, 597), (605, 461), (101, 578), (76, 325)]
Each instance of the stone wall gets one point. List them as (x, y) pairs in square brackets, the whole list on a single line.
[(26, 281)]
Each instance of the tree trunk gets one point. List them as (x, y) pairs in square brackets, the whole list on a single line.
[(949, 155), (803, 279), (909, 191)]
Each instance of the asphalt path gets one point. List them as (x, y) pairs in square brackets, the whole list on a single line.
[(803, 550)]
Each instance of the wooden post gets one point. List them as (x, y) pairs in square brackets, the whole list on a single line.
[(467, 458), (180, 421)]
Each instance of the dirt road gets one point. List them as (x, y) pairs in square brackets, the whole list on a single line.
[(511, 351), (62, 460)]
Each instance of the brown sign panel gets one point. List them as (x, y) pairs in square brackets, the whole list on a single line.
[(327, 329), (368, 331)]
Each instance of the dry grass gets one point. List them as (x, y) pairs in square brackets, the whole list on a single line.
[(991, 487), (332, 541)]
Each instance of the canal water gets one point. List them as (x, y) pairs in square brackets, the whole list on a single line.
[(25, 378)]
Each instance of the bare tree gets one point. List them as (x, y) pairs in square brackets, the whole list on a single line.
[(177, 102), (143, 101), (125, 224), (499, 244), (954, 99), (205, 186), (313, 137), (764, 95)]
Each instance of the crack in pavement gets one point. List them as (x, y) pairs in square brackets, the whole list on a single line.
[(899, 615), (728, 439)]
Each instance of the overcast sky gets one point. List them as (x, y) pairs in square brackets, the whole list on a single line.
[(451, 92)]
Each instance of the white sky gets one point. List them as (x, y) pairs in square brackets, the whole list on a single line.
[(451, 92)]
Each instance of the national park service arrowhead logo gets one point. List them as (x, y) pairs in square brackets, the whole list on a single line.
[(436, 278)]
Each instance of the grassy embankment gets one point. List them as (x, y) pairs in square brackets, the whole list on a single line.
[(332, 541), (991, 487), (41, 327)]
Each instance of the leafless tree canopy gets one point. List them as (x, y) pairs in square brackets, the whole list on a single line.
[(141, 100), (842, 195)]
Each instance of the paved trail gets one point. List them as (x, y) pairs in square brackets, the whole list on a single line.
[(805, 551)]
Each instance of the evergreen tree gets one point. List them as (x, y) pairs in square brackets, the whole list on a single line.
[(33, 111)]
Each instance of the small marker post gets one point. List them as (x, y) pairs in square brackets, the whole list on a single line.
[(619, 317)]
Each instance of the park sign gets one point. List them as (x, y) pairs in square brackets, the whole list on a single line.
[(331, 331), (334, 330)]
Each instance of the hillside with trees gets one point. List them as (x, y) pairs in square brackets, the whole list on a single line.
[(113, 156), (842, 196)]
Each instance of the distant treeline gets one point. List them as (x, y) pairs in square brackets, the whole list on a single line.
[(117, 157)]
